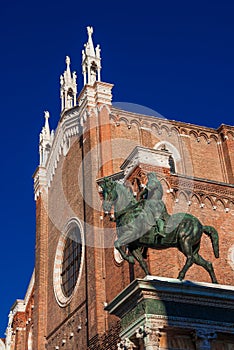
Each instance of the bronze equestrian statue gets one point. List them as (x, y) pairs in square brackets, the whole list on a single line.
[(147, 224)]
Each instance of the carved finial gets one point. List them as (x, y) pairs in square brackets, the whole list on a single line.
[(47, 127), (46, 114), (68, 61), (90, 31)]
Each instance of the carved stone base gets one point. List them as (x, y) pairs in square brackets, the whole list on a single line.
[(161, 313)]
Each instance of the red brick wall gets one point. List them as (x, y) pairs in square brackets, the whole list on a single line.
[(102, 278)]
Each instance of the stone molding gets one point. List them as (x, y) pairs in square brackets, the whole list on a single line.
[(137, 307), (145, 155), (61, 299)]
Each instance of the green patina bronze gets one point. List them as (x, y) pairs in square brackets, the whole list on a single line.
[(147, 224)]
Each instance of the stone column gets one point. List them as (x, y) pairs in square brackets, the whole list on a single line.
[(203, 338), (150, 335)]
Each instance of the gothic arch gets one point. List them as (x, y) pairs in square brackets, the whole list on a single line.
[(193, 133), (171, 148), (155, 129), (204, 136), (183, 131), (196, 199), (166, 129), (113, 117), (214, 137), (208, 202), (175, 131), (136, 123), (182, 196), (123, 120), (219, 203)]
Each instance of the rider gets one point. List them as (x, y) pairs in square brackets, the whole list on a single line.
[(153, 191)]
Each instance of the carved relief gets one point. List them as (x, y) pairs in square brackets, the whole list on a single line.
[(150, 335), (203, 338)]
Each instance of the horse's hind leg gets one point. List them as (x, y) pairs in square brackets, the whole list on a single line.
[(187, 251), (207, 266), (137, 253)]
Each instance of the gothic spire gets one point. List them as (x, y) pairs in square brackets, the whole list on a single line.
[(46, 139), (91, 60), (68, 87)]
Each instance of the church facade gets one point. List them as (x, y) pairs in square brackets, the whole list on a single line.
[(71, 299)]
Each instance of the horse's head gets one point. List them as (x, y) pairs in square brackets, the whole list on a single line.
[(109, 194)]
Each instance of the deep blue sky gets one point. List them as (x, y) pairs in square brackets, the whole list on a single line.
[(176, 57)]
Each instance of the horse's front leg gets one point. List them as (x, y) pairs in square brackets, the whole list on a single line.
[(125, 256), (137, 253)]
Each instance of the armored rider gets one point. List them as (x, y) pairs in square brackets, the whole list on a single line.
[(153, 191)]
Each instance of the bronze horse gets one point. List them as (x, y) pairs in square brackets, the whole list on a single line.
[(136, 225)]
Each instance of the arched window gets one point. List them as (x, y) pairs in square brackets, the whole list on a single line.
[(68, 263), (71, 261), (174, 159)]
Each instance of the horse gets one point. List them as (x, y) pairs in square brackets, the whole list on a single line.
[(136, 230)]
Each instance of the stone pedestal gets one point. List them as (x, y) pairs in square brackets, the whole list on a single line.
[(162, 313)]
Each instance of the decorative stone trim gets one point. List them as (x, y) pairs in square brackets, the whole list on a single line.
[(61, 299), (126, 344), (169, 126), (40, 181), (145, 155), (231, 256), (68, 129)]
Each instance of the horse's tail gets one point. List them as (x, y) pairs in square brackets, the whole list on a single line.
[(213, 234)]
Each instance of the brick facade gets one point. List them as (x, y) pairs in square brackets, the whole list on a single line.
[(93, 140), (199, 188)]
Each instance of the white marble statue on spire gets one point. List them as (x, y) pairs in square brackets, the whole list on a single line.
[(91, 60), (68, 87)]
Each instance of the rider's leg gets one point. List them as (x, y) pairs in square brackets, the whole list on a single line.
[(160, 224)]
